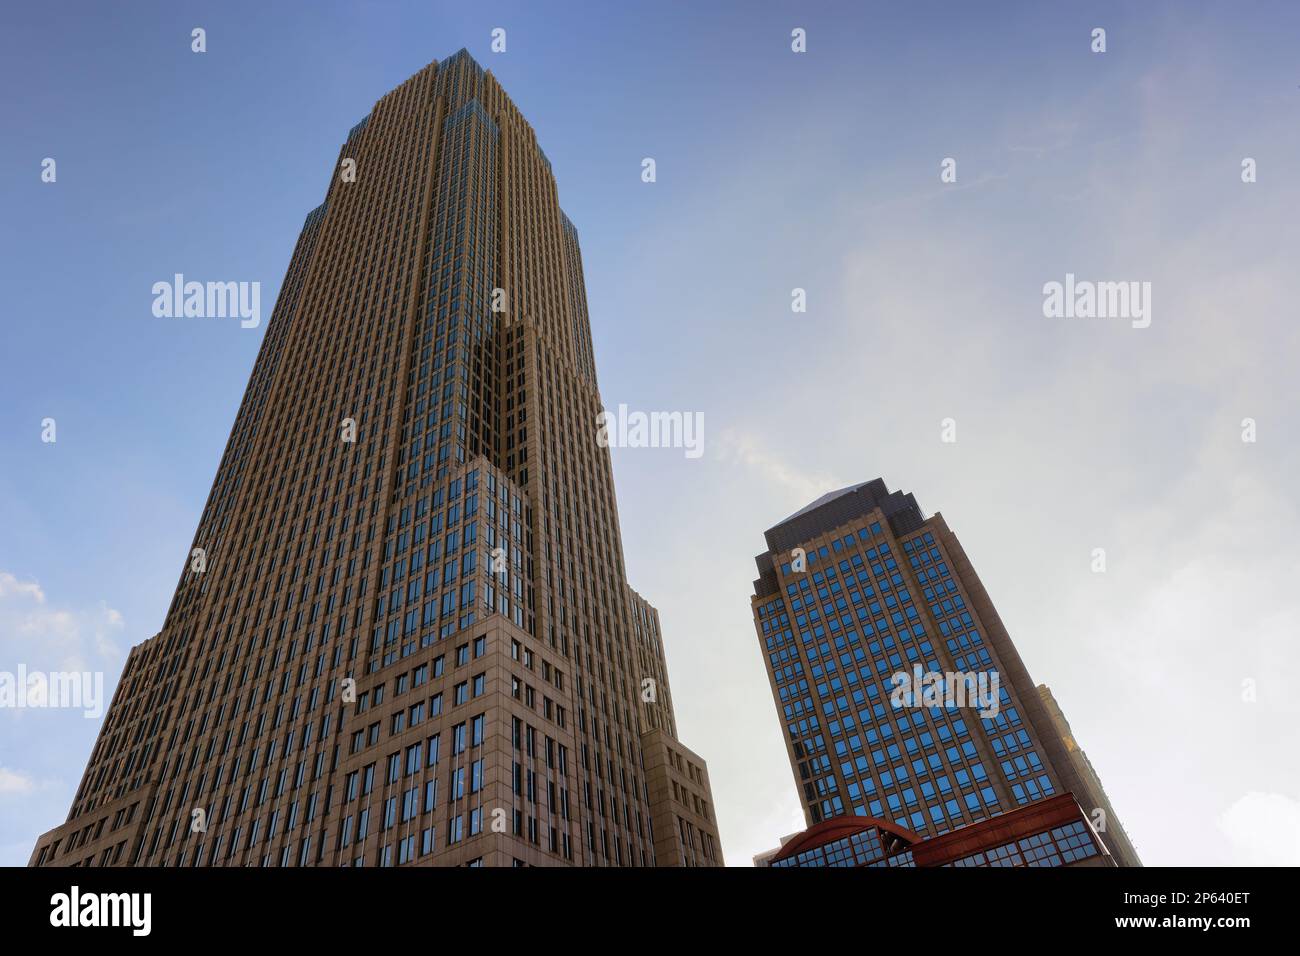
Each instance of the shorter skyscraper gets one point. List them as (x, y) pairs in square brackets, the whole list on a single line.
[(901, 696)]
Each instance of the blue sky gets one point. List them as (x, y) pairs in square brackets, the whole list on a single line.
[(775, 171)]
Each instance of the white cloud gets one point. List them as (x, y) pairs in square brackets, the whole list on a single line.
[(42, 635), (745, 449), (10, 586), (46, 637), (14, 781), (1264, 829)]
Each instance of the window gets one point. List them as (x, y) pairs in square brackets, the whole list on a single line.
[(406, 850), (457, 783)]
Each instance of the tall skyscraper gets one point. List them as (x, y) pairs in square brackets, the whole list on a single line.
[(901, 696), (403, 632)]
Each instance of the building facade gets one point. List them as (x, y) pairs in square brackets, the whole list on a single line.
[(403, 633), (900, 694)]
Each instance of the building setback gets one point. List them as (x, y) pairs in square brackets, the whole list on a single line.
[(403, 633), (857, 587)]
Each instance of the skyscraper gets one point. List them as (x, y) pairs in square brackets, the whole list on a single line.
[(403, 632), (900, 694)]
